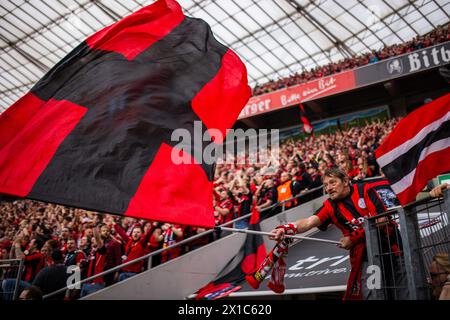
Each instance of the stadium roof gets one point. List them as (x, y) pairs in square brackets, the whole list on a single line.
[(275, 38)]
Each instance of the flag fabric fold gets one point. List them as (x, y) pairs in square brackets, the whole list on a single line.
[(417, 150), (96, 131), (247, 261)]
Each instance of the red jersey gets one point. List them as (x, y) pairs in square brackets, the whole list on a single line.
[(133, 249), (199, 241), (33, 263), (226, 204), (348, 213), (97, 263), (154, 244)]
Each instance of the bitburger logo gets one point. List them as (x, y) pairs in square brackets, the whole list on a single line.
[(429, 58), (395, 66)]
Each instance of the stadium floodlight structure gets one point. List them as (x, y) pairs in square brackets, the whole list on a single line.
[(275, 38)]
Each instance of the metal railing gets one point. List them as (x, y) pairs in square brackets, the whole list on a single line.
[(10, 275), (309, 195), (402, 243), (305, 197)]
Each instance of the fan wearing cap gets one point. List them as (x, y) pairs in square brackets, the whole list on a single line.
[(135, 247)]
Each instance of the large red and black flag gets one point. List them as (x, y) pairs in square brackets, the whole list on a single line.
[(250, 256), (417, 150), (95, 132)]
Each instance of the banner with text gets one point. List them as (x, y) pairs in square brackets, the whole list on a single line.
[(404, 65), (300, 93), (384, 70)]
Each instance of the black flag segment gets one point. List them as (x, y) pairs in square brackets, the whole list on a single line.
[(120, 95)]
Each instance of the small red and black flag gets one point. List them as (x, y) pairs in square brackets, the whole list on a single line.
[(95, 132), (249, 258), (417, 150), (307, 126)]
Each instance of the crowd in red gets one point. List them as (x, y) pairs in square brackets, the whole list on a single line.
[(439, 35), (50, 237)]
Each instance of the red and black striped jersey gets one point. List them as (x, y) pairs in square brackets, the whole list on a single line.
[(348, 213)]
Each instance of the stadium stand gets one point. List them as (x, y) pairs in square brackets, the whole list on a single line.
[(439, 35), (34, 230), (49, 238)]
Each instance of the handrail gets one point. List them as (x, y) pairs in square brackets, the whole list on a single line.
[(116, 268), (8, 263), (9, 260)]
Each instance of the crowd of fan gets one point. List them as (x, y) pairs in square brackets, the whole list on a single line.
[(439, 35), (50, 238), (296, 170)]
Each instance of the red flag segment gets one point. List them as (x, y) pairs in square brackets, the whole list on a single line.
[(21, 167), (137, 32), (430, 167), (16, 117), (417, 149), (391, 155), (161, 199), (408, 179), (221, 100), (412, 128)]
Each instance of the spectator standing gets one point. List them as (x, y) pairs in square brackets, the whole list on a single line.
[(285, 191), (53, 277), (113, 256), (316, 178), (171, 234), (96, 263), (267, 196), (73, 256), (135, 247), (33, 262)]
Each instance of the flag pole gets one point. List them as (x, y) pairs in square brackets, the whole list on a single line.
[(270, 234)]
